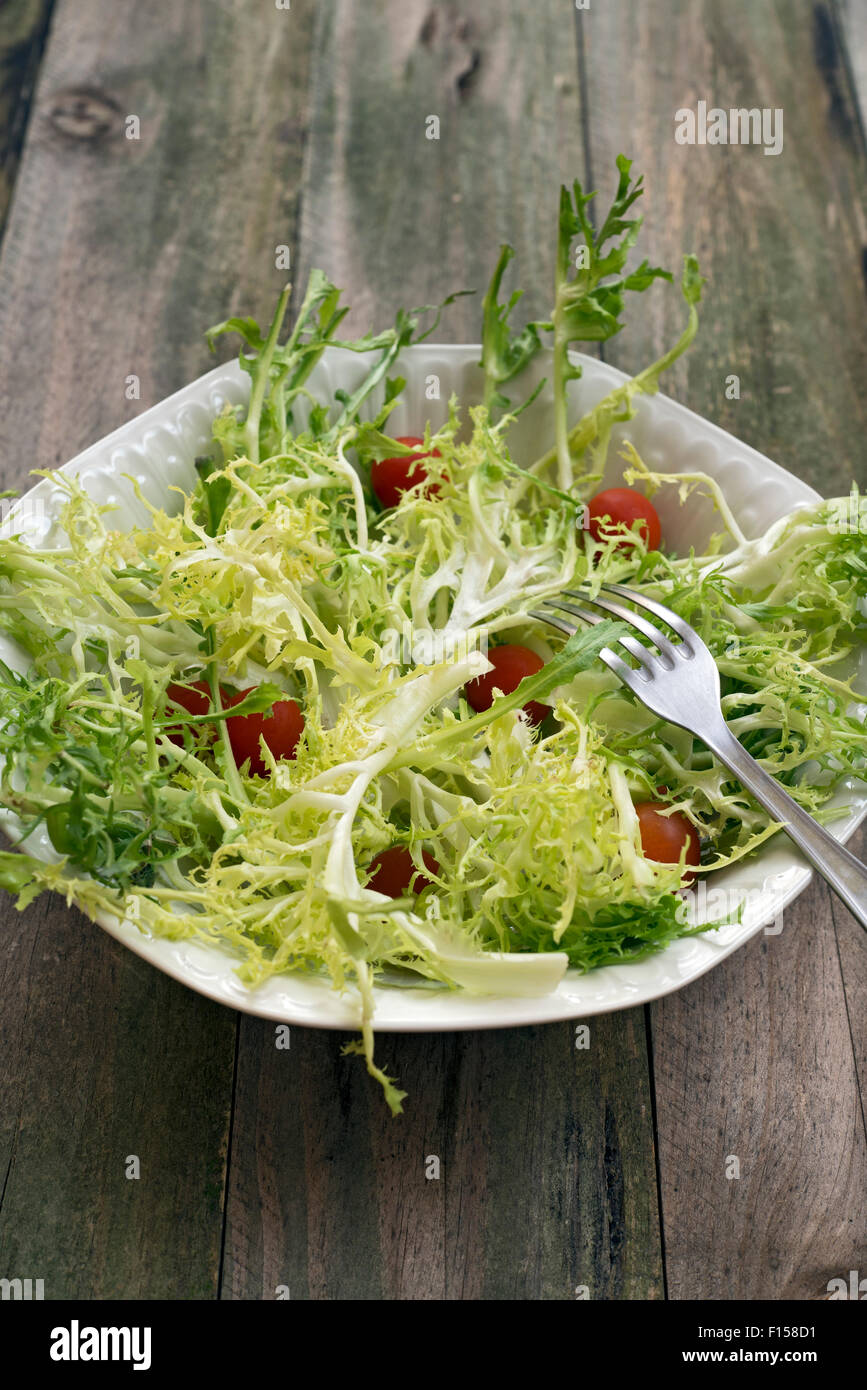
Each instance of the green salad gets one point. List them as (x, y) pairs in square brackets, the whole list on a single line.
[(301, 713)]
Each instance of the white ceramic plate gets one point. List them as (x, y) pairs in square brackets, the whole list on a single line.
[(158, 449)]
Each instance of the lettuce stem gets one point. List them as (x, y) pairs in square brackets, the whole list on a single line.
[(261, 377)]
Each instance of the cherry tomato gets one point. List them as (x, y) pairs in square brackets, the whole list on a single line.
[(663, 837), (281, 728), (393, 870), (390, 478), (195, 698), (624, 507), (511, 664)]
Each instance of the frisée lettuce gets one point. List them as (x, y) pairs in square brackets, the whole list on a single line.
[(280, 580)]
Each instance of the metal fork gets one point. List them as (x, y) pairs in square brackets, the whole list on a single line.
[(680, 683)]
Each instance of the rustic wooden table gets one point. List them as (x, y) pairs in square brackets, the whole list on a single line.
[(304, 125)]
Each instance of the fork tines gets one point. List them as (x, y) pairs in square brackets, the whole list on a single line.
[(660, 640)]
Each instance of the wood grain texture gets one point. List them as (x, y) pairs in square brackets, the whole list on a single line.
[(23, 26), (758, 1058), (852, 951), (104, 1059), (118, 254), (755, 1061), (123, 251), (781, 238), (546, 1168), (547, 1178), (395, 216)]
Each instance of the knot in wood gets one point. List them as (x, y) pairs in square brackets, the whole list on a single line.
[(84, 113)]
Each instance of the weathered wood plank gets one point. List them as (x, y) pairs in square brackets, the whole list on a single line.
[(581, 1211), (398, 217), (756, 1059), (546, 1168), (23, 25), (781, 238), (105, 1059), (852, 948), (754, 1062), (175, 229), (547, 1163), (118, 254)]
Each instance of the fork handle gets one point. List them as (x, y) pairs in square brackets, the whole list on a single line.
[(846, 874)]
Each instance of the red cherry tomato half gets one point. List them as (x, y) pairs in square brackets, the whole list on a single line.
[(281, 728), (195, 698), (390, 478), (663, 837), (393, 871), (623, 507), (511, 664)]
